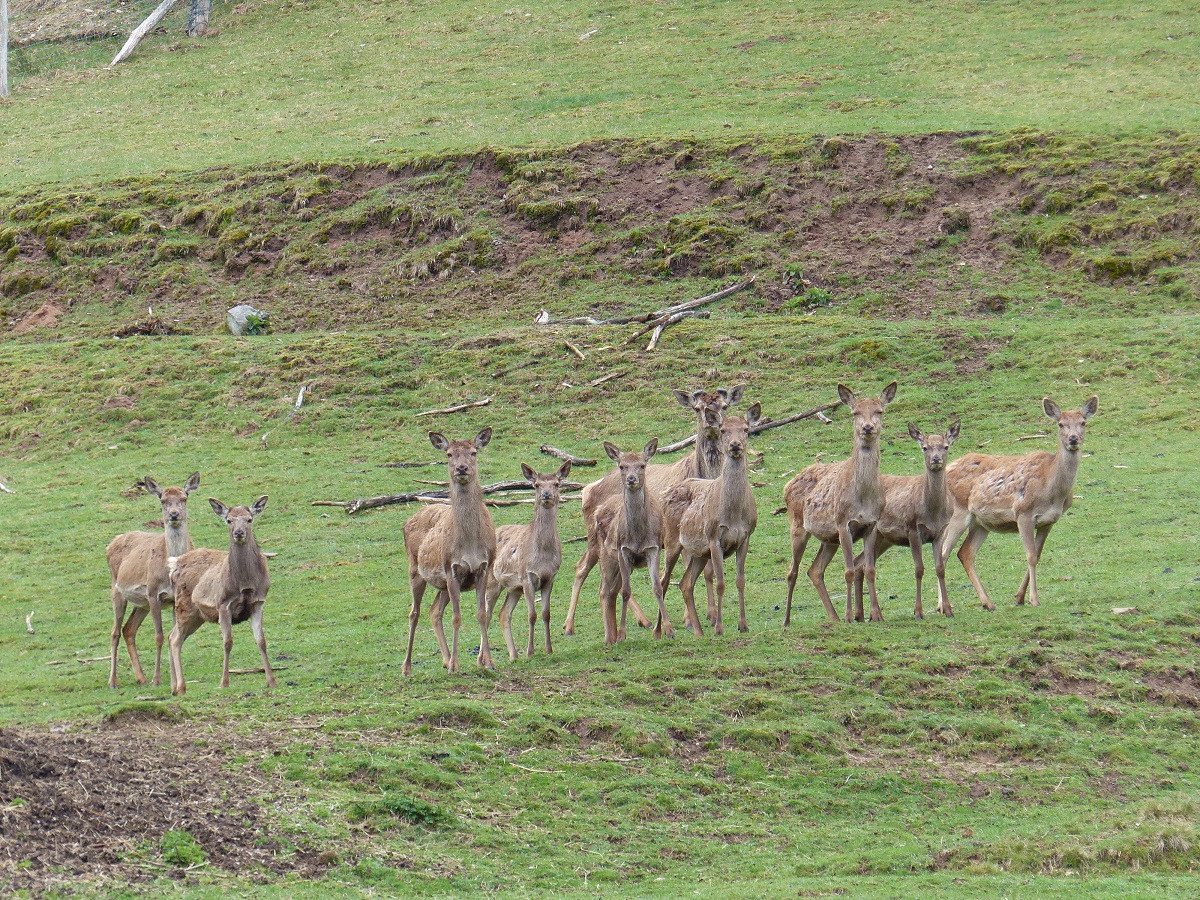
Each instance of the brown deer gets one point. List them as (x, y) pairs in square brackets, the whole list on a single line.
[(916, 511), (1026, 494), (707, 521), (528, 558), (227, 587), (452, 547), (703, 462), (839, 503), (630, 532), (137, 561)]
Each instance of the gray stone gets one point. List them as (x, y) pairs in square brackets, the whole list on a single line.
[(245, 319)]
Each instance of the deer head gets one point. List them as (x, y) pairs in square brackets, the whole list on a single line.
[(239, 517), (462, 454), (700, 402), (1073, 424), (868, 412), (174, 500), (546, 486), (735, 430), (632, 466), (936, 447)]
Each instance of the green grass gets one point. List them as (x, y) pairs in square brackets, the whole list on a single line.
[(348, 80)]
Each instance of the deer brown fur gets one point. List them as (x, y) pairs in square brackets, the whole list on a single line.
[(703, 462), (528, 558), (452, 548), (916, 511), (137, 562), (838, 503), (1024, 494), (220, 586), (630, 531), (707, 521)]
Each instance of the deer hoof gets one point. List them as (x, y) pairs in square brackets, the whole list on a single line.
[(743, 627), (718, 629)]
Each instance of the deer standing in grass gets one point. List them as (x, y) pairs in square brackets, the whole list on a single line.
[(630, 531), (137, 562), (707, 521), (703, 462), (528, 558), (220, 586), (452, 548), (916, 511), (1026, 494), (838, 503)]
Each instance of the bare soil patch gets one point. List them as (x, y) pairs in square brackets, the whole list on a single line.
[(93, 805), (45, 316)]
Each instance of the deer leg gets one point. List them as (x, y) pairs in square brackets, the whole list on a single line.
[(436, 612), (664, 626), (966, 555), (626, 568), (485, 648), (713, 600), (816, 574), (610, 582), (156, 615), (799, 542), (716, 564), (939, 566), (455, 621), (506, 613), (954, 530), (859, 578), (1042, 533), (225, 618), (869, 541), (119, 603), (414, 616), (687, 584), (129, 632), (846, 541), (184, 627), (585, 565), (260, 638), (918, 554), (547, 587), (668, 567), (530, 590), (742, 550), (1029, 537)]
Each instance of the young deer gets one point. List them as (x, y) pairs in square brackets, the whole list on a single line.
[(528, 558), (916, 511), (630, 532), (1026, 494), (452, 547), (137, 561), (219, 586), (707, 521), (703, 462), (839, 503)]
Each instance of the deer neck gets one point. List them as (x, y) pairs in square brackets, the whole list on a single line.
[(466, 504), (247, 565), (545, 528), (1066, 468), (937, 498), (708, 452), (637, 512), (735, 487), (177, 539), (866, 482)]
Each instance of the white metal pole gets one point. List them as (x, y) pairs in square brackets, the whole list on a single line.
[(3, 48)]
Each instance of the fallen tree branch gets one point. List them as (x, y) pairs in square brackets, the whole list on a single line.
[(759, 428), (566, 457), (411, 465), (596, 382), (666, 323), (4, 487), (353, 506), (544, 317), (575, 350), (516, 368), (453, 409), (254, 670), (142, 30), (522, 502), (29, 622)]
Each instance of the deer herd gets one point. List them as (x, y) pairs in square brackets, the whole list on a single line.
[(699, 511)]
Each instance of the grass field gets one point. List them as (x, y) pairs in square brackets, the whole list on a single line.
[(1027, 752)]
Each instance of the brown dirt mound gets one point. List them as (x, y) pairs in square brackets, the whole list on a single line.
[(91, 805), (45, 316)]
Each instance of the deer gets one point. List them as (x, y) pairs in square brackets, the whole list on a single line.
[(630, 532), (1024, 494), (137, 562), (916, 511), (528, 558), (452, 548), (708, 521), (703, 462), (838, 503), (227, 587)]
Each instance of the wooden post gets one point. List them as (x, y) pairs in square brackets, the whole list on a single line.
[(3, 48), (198, 20)]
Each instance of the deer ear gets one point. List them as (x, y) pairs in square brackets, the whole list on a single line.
[(1051, 408), (564, 471), (218, 507), (685, 399), (915, 433), (754, 415), (889, 394), (152, 486), (193, 482), (481, 439), (1090, 408), (732, 395), (258, 506), (439, 440), (529, 474), (846, 395), (650, 449), (613, 453), (952, 431)]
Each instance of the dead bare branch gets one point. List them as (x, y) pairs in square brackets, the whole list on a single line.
[(453, 409)]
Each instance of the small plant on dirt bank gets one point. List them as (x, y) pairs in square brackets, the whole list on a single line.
[(179, 848)]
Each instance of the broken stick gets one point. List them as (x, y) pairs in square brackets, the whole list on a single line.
[(566, 457), (453, 409)]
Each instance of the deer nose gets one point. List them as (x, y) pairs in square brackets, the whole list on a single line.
[(868, 429)]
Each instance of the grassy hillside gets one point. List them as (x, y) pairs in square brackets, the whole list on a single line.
[(353, 80)]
